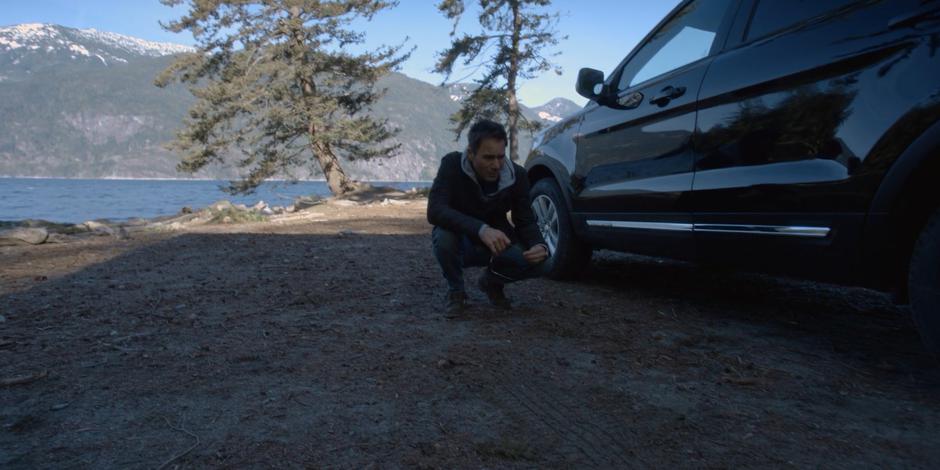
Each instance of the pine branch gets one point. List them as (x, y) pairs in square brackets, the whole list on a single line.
[(519, 30), (269, 75)]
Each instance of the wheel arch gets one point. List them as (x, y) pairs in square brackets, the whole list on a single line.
[(541, 167), (907, 196)]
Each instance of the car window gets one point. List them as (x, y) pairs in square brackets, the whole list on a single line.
[(774, 15), (687, 36)]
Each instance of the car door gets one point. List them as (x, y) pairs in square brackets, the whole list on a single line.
[(784, 123), (634, 164)]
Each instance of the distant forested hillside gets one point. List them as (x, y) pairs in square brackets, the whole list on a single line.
[(81, 103)]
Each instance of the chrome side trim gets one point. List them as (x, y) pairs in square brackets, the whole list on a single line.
[(674, 227), (777, 230), (789, 231)]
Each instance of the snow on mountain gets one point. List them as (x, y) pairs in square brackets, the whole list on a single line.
[(93, 92), (460, 91), (546, 116), (557, 109), (32, 39), (135, 45), (549, 113)]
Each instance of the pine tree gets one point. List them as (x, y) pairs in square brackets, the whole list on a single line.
[(277, 87), (520, 30)]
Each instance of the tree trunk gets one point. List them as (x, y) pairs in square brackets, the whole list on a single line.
[(336, 178), (511, 83)]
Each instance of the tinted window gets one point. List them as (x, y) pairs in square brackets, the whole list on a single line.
[(687, 36), (774, 15)]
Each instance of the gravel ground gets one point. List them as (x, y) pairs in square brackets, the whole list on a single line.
[(321, 343)]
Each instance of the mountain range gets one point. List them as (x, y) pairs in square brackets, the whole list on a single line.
[(81, 103)]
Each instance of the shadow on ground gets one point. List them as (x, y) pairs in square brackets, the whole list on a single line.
[(330, 350)]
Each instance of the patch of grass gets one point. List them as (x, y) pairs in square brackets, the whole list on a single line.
[(235, 216), (418, 193)]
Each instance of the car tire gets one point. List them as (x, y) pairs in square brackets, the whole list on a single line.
[(924, 283), (569, 256)]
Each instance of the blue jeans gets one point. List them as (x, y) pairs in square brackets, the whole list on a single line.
[(455, 252)]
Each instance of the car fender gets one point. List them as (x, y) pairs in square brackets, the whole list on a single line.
[(555, 150), (882, 222), (914, 157), (540, 166)]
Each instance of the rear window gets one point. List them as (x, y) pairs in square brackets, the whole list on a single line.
[(774, 15)]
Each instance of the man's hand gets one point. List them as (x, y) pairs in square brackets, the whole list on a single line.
[(536, 254), (494, 239)]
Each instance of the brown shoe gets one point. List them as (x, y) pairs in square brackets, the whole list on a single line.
[(456, 303), (494, 291)]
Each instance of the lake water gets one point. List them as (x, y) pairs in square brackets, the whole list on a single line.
[(78, 200)]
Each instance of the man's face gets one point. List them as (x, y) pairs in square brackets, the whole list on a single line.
[(489, 159)]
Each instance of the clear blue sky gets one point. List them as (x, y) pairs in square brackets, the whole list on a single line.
[(600, 32)]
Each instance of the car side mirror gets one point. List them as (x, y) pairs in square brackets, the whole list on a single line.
[(590, 83)]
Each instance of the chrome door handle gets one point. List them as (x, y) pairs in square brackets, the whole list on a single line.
[(630, 101), (667, 94)]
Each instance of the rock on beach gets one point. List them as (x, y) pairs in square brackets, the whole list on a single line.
[(23, 236)]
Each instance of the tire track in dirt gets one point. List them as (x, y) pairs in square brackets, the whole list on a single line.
[(569, 422)]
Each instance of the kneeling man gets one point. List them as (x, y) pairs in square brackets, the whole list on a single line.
[(467, 205)]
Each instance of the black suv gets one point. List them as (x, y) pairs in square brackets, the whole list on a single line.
[(793, 136)]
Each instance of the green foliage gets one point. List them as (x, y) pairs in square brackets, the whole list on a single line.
[(423, 192), (231, 215), (125, 120), (274, 81), (517, 32)]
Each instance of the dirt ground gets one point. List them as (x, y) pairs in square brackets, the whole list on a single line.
[(321, 343)]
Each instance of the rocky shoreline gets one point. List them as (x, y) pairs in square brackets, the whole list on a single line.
[(38, 232)]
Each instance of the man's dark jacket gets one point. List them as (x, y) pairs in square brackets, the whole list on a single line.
[(457, 202)]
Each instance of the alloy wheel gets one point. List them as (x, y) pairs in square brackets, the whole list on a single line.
[(547, 218)]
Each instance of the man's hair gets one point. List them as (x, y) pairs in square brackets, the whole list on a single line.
[(484, 129)]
